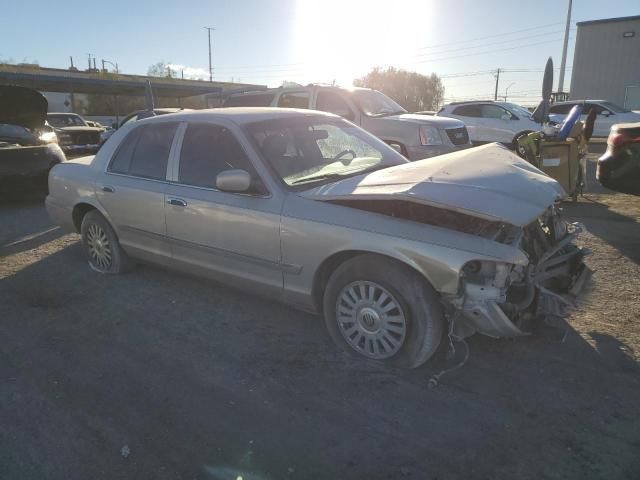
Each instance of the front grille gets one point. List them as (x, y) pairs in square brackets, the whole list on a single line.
[(458, 136), (90, 138)]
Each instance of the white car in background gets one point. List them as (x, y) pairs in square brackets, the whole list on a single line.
[(607, 114), (489, 121)]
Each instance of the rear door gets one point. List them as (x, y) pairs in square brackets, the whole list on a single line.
[(471, 116), (132, 189)]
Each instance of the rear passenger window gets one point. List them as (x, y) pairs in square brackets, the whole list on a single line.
[(145, 151), (208, 150), (468, 111), (294, 100)]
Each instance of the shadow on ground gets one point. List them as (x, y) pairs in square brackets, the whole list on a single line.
[(199, 381)]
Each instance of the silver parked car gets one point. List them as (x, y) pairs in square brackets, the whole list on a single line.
[(307, 208), (415, 136)]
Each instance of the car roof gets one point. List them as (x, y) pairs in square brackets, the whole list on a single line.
[(571, 102), (297, 89), (242, 115), (60, 114), (467, 102)]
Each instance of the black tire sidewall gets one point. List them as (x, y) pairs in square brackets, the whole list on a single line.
[(117, 254), (418, 300)]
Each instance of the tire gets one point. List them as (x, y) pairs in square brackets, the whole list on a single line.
[(101, 246), (514, 143), (407, 335)]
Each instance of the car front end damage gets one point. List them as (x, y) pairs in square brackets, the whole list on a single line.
[(502, 300)]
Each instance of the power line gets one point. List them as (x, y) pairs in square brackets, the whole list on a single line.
[(493, 36), (492, 43), (272, 66), (489, 51)]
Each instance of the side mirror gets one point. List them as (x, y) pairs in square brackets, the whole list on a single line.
[(506, 116), (606, 113), (396, 147), (236, 181)]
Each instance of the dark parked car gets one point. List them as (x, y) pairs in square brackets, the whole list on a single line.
[(619, 167), (28, 147), (75, 136)]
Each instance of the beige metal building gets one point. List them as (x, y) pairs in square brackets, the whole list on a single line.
[(606, 61)]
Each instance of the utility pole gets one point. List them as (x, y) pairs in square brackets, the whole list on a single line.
[(495, 95), (564, 50), (208, 29)]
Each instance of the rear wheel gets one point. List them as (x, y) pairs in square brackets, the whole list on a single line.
[(380, 309), (101, 246)]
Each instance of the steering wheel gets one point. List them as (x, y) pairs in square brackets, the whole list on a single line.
[(342, 154)]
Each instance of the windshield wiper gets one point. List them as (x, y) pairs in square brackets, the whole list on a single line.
[(338, 176), (326, 176), (387, 114)]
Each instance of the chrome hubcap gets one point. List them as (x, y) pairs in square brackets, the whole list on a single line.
[(99, 247), (371, 320)]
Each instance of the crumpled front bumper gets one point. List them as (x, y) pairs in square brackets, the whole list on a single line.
[(549, 287)]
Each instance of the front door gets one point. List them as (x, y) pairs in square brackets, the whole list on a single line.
[(234, 237), (497, 124), (132, 189)]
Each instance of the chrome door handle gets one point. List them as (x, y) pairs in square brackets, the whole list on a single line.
[(108, 189), (176, 202)]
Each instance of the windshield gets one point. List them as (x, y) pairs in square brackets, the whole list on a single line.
[(518, 110), (612, 107), (66, 121), (312, 150), (376, 104)]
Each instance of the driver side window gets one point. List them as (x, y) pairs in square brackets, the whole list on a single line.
[(493, 111), (208, 150), (333, 103)]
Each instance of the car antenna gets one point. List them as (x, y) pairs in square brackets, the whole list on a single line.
[(148, 97)]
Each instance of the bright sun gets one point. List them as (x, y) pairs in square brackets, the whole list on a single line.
[(343, 39)]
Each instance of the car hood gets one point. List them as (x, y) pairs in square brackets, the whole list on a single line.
[(432, 120), (77, 129), (487, 182), (22, 106)]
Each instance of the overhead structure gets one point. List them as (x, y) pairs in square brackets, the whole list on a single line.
[(68, 81)]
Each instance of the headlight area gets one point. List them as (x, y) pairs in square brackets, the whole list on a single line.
[(503, 300), (48, 137), (429, 135), (485, 287)]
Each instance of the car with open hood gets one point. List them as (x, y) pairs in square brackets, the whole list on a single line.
[(310, 209), (414, 135), (28, 147), (75, 135)]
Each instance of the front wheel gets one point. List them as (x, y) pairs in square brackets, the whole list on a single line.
[(380, 309), (101, 246)]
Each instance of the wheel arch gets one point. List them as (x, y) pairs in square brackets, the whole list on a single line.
[(522, 132), (331, 263), (81, 208)]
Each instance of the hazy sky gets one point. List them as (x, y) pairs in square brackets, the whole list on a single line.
[(306, 41)]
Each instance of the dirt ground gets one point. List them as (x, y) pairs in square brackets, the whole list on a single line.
[(153, 375)]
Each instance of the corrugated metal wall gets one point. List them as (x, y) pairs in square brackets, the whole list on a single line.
[(605, 62)]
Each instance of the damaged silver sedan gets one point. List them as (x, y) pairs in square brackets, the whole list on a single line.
[(309, 209)]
